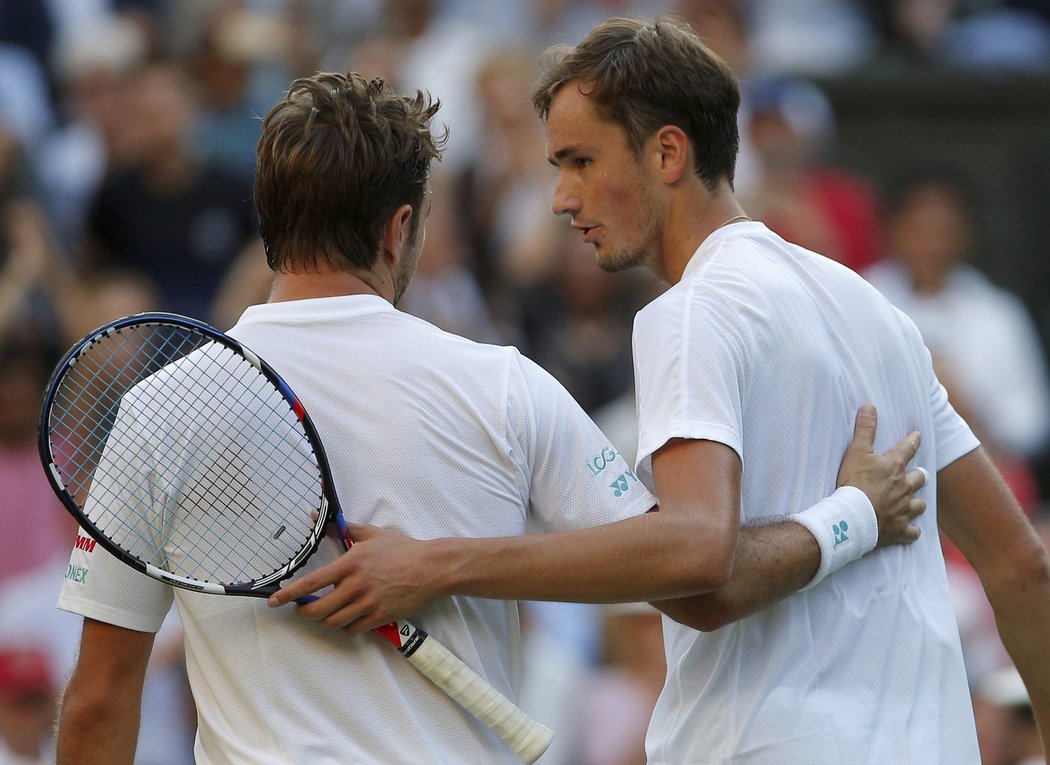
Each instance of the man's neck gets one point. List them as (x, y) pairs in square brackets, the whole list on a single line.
[(690, 222), (302, 285)]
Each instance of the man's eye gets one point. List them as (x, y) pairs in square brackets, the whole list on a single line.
[(582, 161)]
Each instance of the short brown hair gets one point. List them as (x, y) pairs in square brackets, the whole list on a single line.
[(644, 75), (338, 155)]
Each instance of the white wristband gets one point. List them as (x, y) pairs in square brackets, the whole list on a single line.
[(845, 526)]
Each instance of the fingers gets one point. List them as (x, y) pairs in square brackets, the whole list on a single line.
[(864, 428), (917, 478), (309, 584), (905, 450), (359, 532), (911, 534)]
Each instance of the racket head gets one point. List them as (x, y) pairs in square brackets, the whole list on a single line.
[(217, 480)]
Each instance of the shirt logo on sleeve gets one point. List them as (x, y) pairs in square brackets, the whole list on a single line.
[(87, 544), (75, 573), (599, 462), (621, 485)]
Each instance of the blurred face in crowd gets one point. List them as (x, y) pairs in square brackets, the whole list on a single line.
[(28, 703), (607, 189), (930, 234), (164, 113)]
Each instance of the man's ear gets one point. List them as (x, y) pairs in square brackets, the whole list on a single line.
[(396, 233), (675, 155)]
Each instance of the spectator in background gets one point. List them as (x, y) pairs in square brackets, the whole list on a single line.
[(556, 659), (799, 194), (505, 191), (618, 698), (179, 220), (983, 340), (240, 67), (440, 54), (578, 323), (989, 35), (93, 64), (28, 617), (25, 99), (104, 296), (30, 281), (1006, 727), (28, 705), (817, 38), (35, 526)]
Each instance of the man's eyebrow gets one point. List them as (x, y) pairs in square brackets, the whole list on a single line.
[(562, 153)]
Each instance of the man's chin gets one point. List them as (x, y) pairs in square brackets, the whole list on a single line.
[(614, 263)]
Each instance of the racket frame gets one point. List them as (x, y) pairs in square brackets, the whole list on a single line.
[(328, 507)]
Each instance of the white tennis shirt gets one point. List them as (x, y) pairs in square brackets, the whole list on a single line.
[(427, 433), (771, 349)]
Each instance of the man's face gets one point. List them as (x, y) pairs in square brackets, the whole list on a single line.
[(930, 235), (606, 188)]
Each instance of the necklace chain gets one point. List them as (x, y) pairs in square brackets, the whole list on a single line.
[(734, 219)]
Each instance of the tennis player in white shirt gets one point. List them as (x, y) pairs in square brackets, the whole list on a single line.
[(748, 370)]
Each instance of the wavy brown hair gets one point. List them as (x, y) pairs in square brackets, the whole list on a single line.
[(337, 156), (644, 75)]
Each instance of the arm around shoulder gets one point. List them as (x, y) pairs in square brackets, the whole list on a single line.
[(99, 716), (773, 560)]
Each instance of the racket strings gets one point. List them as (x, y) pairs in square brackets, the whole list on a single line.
[(185, 455), (92, 390)]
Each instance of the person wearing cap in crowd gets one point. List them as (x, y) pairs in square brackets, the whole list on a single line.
[(28, 706)]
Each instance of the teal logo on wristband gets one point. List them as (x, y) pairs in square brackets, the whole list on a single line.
[(839, 530)]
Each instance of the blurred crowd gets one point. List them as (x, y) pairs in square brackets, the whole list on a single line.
[(127, 140)]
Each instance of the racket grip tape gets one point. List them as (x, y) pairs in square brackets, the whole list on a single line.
[(528, 738)]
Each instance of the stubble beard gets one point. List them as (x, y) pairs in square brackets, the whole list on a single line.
[(404, 277), (631, 255), (620, 260), (407, 267)]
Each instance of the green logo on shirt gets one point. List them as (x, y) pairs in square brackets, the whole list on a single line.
[(601, 461), (620, 485), (77, 573)]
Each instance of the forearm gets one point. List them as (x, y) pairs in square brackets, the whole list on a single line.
[(1019, 592), (653, 556), (99, 716), (772, 562), (97, 728), (779, 557), (980, 515), (665, 556), (1025, 634)]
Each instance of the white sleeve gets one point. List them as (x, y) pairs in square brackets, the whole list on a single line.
[(99, 586), (953, 437), (575, 478), (691, 364)]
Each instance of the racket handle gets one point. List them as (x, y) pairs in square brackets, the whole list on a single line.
[(528, 738)]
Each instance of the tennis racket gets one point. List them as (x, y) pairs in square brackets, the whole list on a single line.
[(187, 457)]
